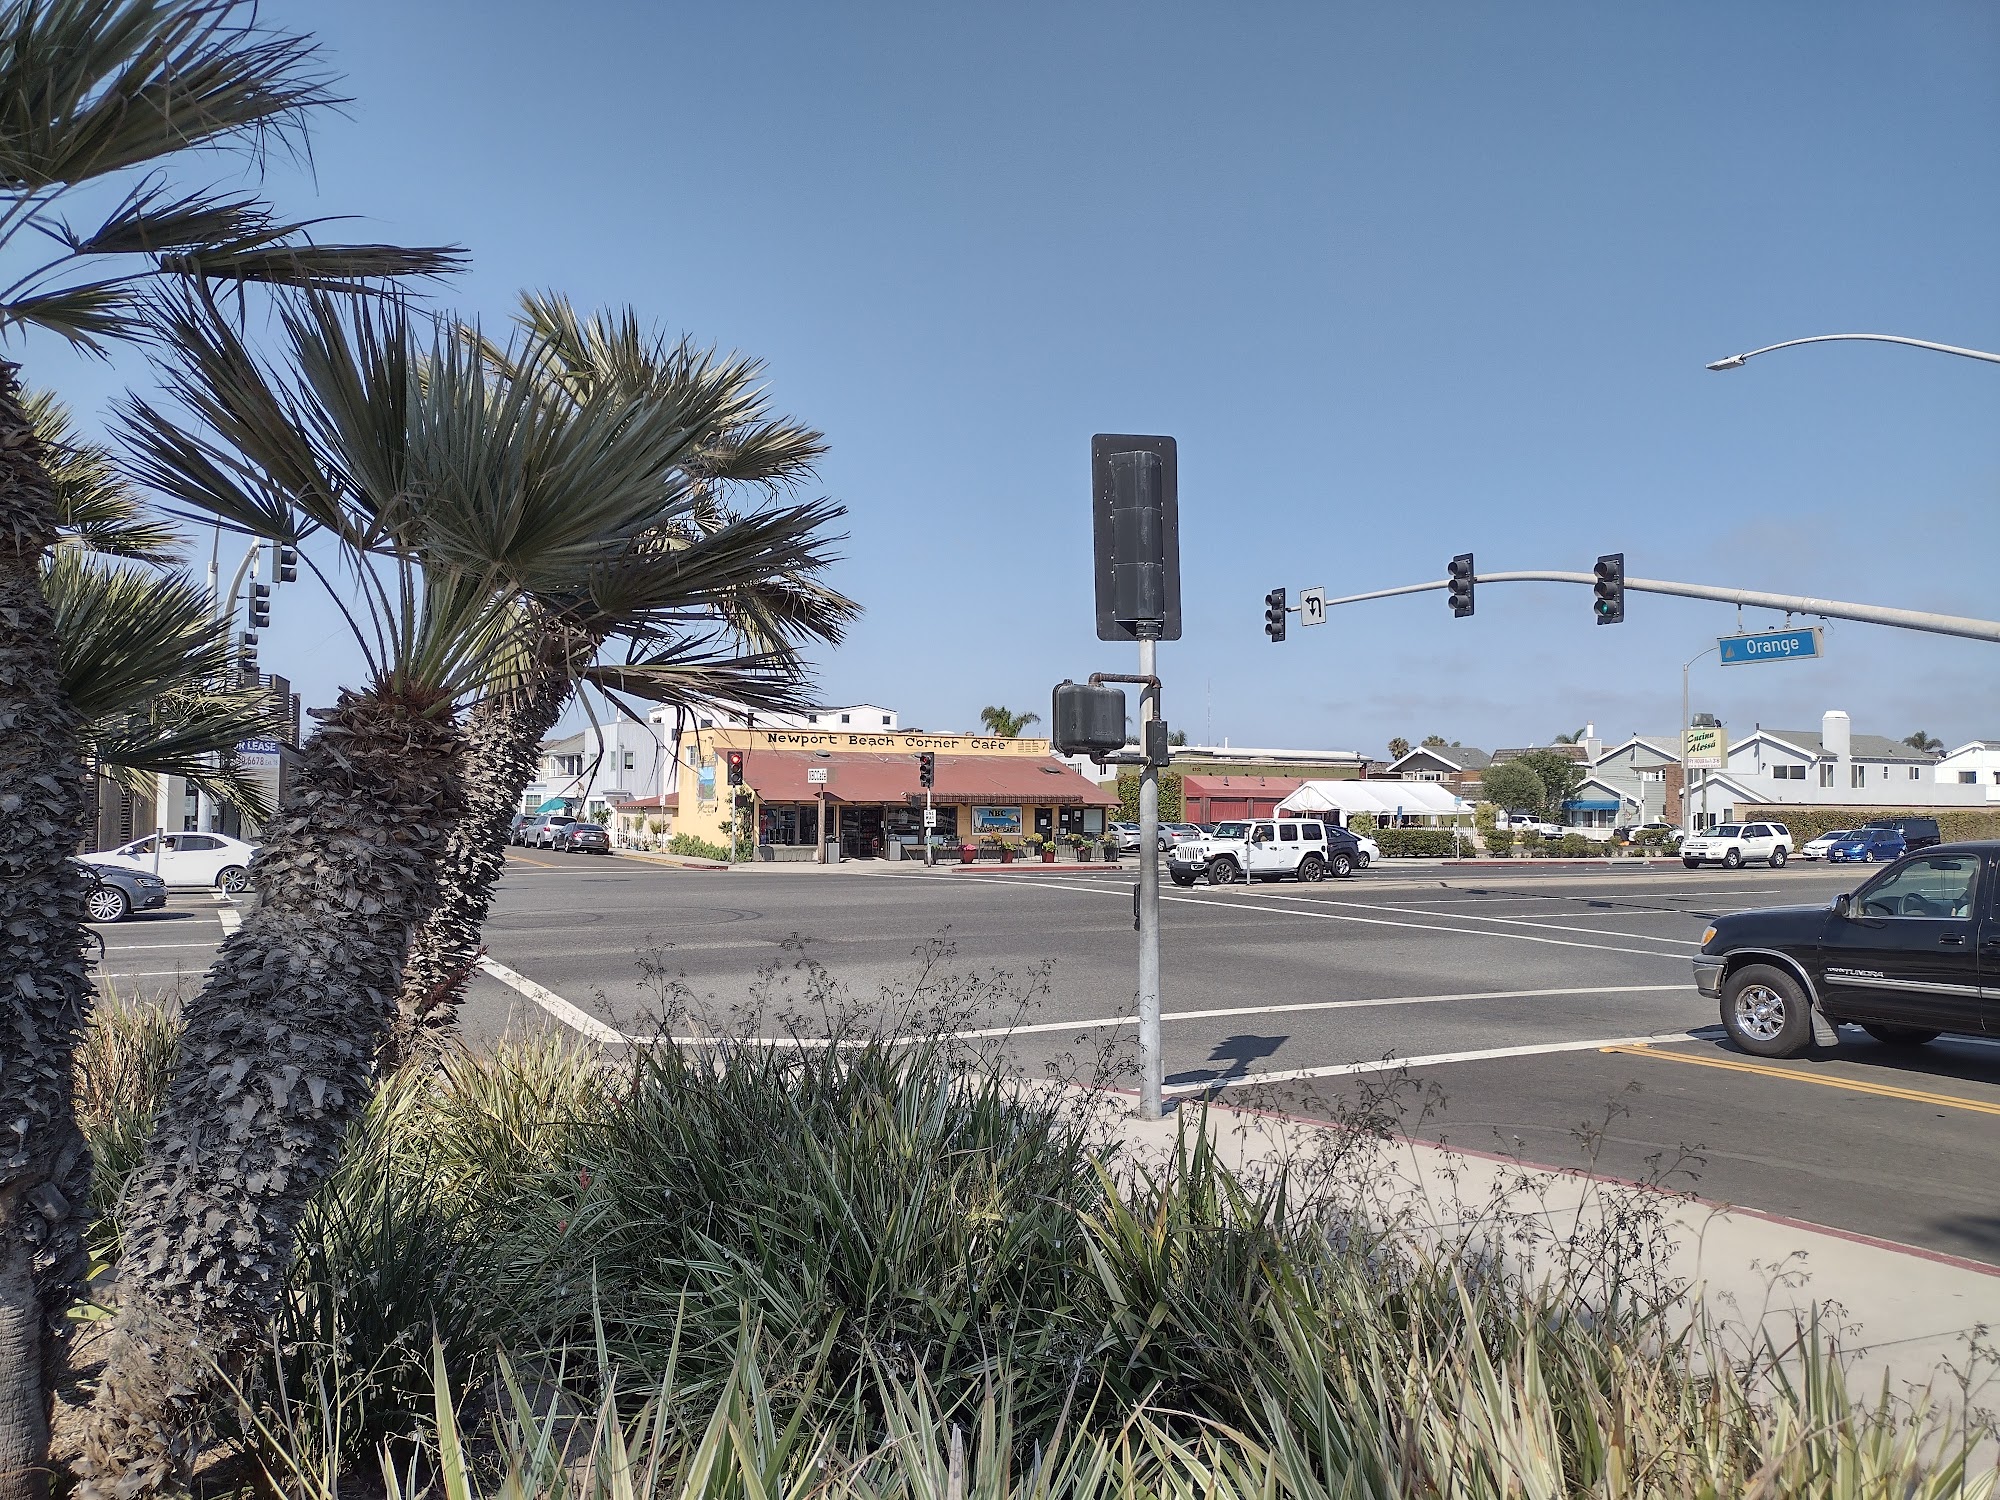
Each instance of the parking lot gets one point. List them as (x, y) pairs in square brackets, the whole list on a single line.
[(1547, 1014)]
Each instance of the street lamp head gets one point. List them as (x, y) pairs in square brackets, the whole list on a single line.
[(1734, 362)]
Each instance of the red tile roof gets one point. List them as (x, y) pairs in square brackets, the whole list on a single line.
[(856, 776), (669, 800)]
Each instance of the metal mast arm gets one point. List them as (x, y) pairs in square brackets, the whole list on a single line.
[(1797, 604), (1735, 361)]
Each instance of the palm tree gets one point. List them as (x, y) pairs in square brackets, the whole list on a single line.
[(447, 495), (712, 610), (1004, 723), (95, 96), (1398, 748), (1924, 742), (1574, 737)]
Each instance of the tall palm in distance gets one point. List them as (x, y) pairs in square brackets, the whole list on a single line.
[(1924, 742), (99, 101), (1005, 723), (711, 606)]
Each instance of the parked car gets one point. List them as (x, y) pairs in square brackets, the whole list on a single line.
[(184, 860), (1868, 846), (1527, 822), (582, 838), (518, 826), (1266, 849), (116, 892), (1918, 833), (1734, 844), (1819, 848), (1127, 835), (1366, 850), (541, 833), (1180, 833), (1899, 957)]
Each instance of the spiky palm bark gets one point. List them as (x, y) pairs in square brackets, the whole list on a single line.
[(503, 739), (44, 991), (276, 1063)]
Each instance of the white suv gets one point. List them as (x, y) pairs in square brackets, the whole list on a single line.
[(1733, 844), (1265, 849)]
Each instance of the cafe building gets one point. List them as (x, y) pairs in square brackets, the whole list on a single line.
[(860, 793)]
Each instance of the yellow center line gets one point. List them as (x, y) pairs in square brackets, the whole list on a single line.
[(540, 864), (1881, 1090)]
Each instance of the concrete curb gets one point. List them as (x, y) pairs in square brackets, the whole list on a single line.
[(673, 861)]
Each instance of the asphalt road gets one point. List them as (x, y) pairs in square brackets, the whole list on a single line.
[(1479, 1006)]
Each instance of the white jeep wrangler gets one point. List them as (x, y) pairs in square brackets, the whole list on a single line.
[(1265, 849)]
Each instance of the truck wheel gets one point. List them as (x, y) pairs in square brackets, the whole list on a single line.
[(1222, 871), (1692, 864), (1765, 1012), (1733, 860), (1778, 858), (1343, 865), (1901, 1036), (1361, 860), (1183, 880), (1312, 869)]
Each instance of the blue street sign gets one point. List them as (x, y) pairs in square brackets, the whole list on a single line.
[(1772, 645)]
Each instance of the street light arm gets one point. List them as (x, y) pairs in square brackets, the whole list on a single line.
[(1735, 361), (1796, 604)]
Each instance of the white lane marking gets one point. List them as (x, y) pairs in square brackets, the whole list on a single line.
[(230, 918), (1257, 905), (1102, 1022), (1436, 1059), (554, 1004), (140, 947), (149, 973), (1642, 937)]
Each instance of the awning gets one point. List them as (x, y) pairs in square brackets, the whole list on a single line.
[(1593, 804), (858, 777)]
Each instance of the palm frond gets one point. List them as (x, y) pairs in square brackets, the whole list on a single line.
[(127, 637), (91, 315), (192, 733), (96, 507), (325, 268), (92, 87), (691, 673), (148, 222)]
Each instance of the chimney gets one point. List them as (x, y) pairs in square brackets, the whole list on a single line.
[(1593, 747), (1833, 733)]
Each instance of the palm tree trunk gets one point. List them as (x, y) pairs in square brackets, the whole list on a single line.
[(44, 989), (276, 1063), (503, 734)]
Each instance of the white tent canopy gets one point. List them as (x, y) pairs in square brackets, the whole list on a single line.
[(1413, 800)]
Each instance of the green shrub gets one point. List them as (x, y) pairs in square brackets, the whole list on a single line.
[(122, 1070), (1173, 801), (1576, 846), (694, 847), (1416, 843), (1500, 841)]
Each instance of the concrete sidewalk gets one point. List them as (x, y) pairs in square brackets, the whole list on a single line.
[(1911, 1316)]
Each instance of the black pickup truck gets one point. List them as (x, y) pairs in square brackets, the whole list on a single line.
[(1910, 955)]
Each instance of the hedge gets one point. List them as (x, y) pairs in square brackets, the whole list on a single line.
[(1172, 804), (1415, 843), (1808, 823)]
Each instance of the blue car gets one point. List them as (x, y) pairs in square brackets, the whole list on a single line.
[(1868, 846)]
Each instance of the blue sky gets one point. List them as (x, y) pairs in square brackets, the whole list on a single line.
[(1403, 280)]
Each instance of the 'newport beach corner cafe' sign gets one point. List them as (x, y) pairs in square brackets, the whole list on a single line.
[(892, 743)]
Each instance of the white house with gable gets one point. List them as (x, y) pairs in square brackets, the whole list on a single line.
[(1975, 763)]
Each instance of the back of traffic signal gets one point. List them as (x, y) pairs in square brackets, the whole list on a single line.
[(1607, 605)]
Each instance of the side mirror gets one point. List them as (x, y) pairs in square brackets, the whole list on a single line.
[(1843, 904)]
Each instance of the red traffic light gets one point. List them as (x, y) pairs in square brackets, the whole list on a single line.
[(735, 760)]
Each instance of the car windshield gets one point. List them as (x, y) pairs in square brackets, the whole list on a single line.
[(1232, 830), (1727, 831), (1836, 833)]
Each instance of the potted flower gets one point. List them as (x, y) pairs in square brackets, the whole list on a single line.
[(967, 854), (1046, 848), (1006, 851)]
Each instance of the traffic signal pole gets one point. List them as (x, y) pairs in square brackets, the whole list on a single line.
[(1152, 1066)]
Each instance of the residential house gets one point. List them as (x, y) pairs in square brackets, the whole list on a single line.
[(1455, 766), (1975, 763), (590, 772)]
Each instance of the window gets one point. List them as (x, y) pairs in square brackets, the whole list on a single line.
[(885, 721), (845, 717), (1826, 775), (1788, 773), (628, 760), (191, 841), (1288, 833), (812, 718), (1857, 775), (1913, 773), (1939, 887), (1314, 834), (1968, 778)]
